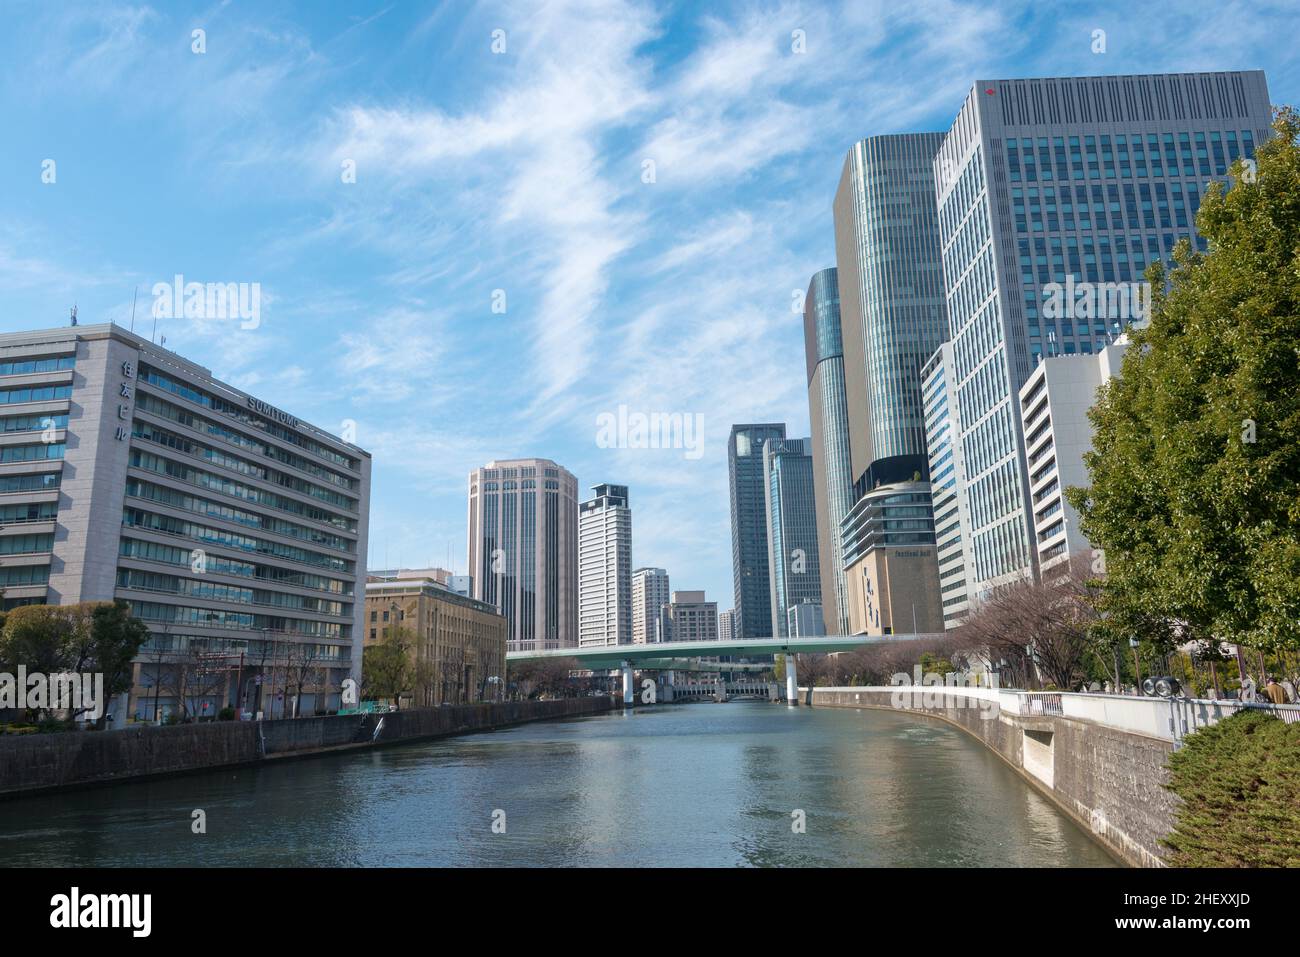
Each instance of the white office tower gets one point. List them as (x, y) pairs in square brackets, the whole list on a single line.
[(605, 568)]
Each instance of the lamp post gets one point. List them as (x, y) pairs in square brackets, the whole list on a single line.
[(1137, 667)]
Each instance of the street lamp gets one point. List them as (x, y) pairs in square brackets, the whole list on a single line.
[(1137, 667)]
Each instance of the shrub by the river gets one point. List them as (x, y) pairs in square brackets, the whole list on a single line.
[(1240, 784)]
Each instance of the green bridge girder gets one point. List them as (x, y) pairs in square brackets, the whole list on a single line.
[(662, 656)]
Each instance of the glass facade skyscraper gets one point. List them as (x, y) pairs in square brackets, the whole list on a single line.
[(892, 303), (1055, 181), (749, 548), (828, 411), (794, 568)]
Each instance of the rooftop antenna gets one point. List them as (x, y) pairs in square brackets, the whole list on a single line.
[(74, 313), (134, 297)]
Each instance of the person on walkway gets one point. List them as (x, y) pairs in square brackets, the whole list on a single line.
[(1274, 691), (1289, 688), (1248, 690)]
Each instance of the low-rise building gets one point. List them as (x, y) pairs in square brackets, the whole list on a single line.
[(891, 570), (457, 643)]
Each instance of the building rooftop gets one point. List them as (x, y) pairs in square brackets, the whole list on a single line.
[(158, 356)]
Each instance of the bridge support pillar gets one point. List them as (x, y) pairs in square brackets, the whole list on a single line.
[(791, 681), (629, 690)]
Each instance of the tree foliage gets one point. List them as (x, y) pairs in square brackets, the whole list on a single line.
[(388, 666), (1195, 467), (88, 638), (1240, 784)]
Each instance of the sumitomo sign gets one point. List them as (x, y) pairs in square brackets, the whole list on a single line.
[(271, 412)]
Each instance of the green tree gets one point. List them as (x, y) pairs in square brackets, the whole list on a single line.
[(1240, 784), (1195, 468), (388, 666), (88, 638), (37, 637), (116, 638)]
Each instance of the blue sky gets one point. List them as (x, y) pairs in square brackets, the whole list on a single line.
[(519, 171)]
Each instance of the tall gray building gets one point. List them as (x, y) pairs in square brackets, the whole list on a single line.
[(234, 530), (890, 276), (605, 568), (828, 411), (523, 549), (1048, 182), (794, 569), (749, 548)]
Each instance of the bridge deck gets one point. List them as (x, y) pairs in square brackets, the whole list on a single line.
[(662, 655)]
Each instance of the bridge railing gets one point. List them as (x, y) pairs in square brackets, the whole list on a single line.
[(1167, 718)]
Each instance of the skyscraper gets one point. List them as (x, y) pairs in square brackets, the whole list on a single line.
[(1046, 182), (605, 568), (794, 569), (890, 277), (649, 595), (523, 549), (828, 411), (749, 548), (726, 625)]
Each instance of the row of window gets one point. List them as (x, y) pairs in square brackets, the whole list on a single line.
[(33, 366), (184, 472), (25, 544), (40, 393), (245, 416), (209, 509), (172, 440), (167, 525), (216, 591), (25, 575), (28, 512), (33, 423), (225, 618), (31, 453), (164, 409), (221, 565), (39, 482)]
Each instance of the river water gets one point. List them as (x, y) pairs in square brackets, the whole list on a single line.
[(696, 784)]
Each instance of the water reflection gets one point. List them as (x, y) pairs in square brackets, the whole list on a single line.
[(697, 784)]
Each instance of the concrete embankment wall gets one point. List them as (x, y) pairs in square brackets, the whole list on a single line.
[(1109, 780), (33, 763)]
